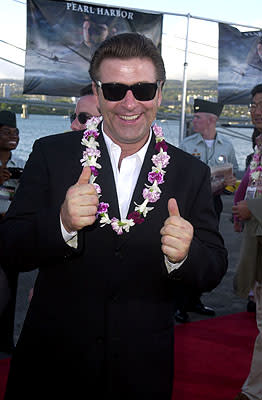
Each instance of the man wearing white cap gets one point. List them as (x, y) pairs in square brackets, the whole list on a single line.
[(214, 150)]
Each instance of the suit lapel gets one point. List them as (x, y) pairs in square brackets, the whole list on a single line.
[(74, 167), (106, 180)]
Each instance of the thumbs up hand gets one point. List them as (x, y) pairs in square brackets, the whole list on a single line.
[(80, 205), (177, 234)]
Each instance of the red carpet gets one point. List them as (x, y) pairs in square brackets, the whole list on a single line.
[(212, 357), (4, 367)]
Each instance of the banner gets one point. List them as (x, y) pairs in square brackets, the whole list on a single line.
[(240, 64), (63, 35)]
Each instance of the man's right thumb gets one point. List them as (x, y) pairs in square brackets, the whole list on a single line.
[(85, 176)]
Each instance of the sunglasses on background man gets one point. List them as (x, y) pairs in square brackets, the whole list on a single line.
[(82, 117)]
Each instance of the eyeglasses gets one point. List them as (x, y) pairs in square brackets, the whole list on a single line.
[(255, 106), (82, 117), (117, 91)]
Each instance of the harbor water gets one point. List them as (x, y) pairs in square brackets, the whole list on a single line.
[(37, 126)]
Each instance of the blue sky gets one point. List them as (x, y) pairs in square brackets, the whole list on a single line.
[(202, 56)]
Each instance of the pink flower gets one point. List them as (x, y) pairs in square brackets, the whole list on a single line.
[(161, 145), (161, 160), (155, 176), (158, 131), (97, 188), (136, 216), (116, 227), (102, 208), (93, 133), (94, 170), (152, 196), (92, 152)]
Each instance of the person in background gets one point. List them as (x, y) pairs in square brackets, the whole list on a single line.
[(10, 169), (249, 276), (86, 107), (247, 188), (256, 116), (249, 269), (116, 222), (209, 146), (251, 304), (213, 149)]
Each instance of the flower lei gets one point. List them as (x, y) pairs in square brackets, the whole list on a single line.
[(151, 193), (256, 163)]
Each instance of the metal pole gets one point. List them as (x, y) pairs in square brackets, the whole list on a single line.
[(182, 120)]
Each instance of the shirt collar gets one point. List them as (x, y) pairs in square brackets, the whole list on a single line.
[(111, 146), (218, 138)]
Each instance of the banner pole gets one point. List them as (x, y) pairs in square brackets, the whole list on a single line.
[(182, 120)]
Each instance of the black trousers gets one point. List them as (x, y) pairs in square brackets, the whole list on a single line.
[(4, 291), (218, 204)]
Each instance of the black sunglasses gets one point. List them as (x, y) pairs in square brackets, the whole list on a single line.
[(82, 117), (117, 91)]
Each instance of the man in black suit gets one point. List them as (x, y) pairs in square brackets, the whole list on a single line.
[(109, 240)]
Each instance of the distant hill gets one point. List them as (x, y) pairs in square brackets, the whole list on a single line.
[(9, 81), (170, 83), (192, 84)]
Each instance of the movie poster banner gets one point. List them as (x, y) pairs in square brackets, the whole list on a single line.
[(240, 64), (63, 35)]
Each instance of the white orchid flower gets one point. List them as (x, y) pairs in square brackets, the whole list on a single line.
[(127, 223), (143, 209), (105, 220), (154, 187)]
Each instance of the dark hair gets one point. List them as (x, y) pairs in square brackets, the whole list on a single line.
[(125, 46), (86, 90), (255, 133), (256, 89)]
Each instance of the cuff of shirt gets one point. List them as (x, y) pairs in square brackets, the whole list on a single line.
[(69, 237), (173, 266)]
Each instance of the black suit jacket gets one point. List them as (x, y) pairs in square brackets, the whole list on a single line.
[(101, 318)]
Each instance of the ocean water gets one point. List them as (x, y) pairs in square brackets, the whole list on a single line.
[(37, 126)]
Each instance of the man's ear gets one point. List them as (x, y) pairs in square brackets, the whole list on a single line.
[(159, 96), (259, 50), (95, 91), (94, 88)]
